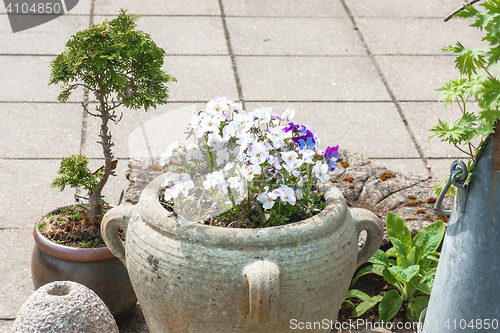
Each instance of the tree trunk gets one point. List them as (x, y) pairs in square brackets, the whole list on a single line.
[(95, 202)]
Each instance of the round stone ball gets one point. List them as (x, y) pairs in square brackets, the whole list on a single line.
[(64, 307)]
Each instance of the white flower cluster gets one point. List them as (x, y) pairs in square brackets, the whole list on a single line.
[(239, 156)]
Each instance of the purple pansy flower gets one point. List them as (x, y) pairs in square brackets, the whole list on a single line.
[(291, 127), (306, 141), (331, 156)]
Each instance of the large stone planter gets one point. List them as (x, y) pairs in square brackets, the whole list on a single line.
[(196, 278)]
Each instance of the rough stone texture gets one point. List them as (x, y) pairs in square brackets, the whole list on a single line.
[(409, 196), (65, 306)]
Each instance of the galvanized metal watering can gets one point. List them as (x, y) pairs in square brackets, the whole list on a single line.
[(466, 292)]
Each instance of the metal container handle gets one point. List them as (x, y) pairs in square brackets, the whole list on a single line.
[(458, 176)]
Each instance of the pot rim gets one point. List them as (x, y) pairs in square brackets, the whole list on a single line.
[(68, 253), (161, 220)]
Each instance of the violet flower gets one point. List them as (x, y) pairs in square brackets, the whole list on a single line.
[(331, 156)]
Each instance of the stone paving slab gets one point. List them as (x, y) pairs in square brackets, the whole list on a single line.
[(183, 35), (417, 77), (28, 134), (160, 131), (310, 79), (403, 8), (371, 129), (440, 168), (26, 193), (293, 36), (15, 270), (6, 326), (26, 79), (200, 78), (292, 8), (158, 7), (416, 35), (409, 166), (48, 38), (422, 117)]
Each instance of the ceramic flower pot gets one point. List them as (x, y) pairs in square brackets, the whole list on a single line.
[(191, 277), (96, 268)]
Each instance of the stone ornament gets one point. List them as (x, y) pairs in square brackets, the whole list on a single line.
[(64, 307)]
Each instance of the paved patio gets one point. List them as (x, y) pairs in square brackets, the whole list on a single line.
[(363, 73)]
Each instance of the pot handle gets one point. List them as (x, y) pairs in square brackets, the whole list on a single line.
[(366, 220), (115, 218), (263, 279)]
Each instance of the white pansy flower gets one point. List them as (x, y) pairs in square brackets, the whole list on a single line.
[(289, 157), (217, 107), (215, 141), (263, 115), (276, 135), (286, 194), (193, 151), (288, 115), (229, 130), (183, 187), (307, 155), (222, 156), (321, 171), (243, 120), (258, 151), (209, 124), (169, 195), (274, 161), (267, 199), (250, 171), (167, 155)]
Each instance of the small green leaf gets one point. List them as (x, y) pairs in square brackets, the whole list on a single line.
[(379, 258), (491, 94), (399, 248), (428, 239), (376, 269), (389, 277), (392, 252), (489, 116), (416, 306), (425, 287), (468, 12), (365, 306), (389, 305), (411, 257), (405, 274), (397, 229), (358, 294)]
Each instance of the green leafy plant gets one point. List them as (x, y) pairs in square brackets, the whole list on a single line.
[(120, 66), (477, 81), (410, 266)]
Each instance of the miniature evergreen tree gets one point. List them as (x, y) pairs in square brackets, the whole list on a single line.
[(120, 66)]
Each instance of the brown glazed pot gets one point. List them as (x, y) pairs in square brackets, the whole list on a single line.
[(95, 268)]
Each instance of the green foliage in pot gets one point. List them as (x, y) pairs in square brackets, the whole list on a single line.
[(119, 66), (410, 266), (478, 67)]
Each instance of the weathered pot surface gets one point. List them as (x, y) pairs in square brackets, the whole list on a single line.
[(96, 268), (191, 277)]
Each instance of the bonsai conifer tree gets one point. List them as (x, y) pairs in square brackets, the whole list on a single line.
[(120, 66)]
